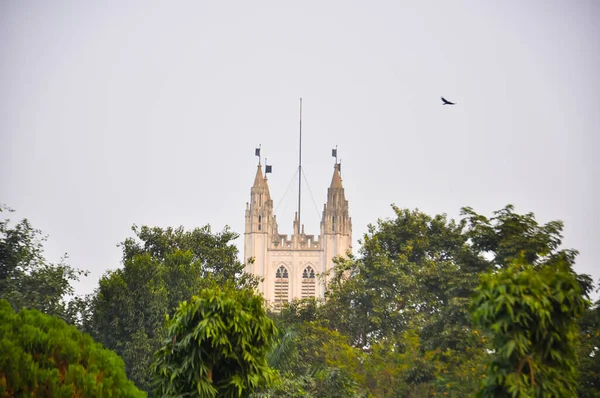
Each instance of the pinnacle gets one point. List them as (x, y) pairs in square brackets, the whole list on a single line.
[(259, 180), (336, 180), (260, 183)]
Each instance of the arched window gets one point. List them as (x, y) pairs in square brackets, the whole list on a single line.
[(281, 273), (282, 286), (308, 282), (333, 223), (259, 223)]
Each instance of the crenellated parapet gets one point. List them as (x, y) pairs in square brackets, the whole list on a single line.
[(301, 242)]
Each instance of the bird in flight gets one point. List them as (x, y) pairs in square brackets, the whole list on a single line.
[(446, 102)]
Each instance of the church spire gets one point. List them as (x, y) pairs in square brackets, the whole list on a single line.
[(336, 180), (259, 211), (259, 180), (336, 218), (336, 224), (259, 193)]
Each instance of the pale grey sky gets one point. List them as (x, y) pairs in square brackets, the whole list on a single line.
[(121, 112)]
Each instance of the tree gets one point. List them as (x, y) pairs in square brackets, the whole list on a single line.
[(212, 255), (405, 299), (589, 353), (531, 312), (216, 346), (161, 268), (409, 289), (413, 271), (420, 271), (27, 280), (508, 236), (41, 355), (313, 361)]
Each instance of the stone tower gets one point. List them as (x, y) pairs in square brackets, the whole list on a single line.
[(295, 267)]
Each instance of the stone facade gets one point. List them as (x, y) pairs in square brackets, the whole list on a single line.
[(294, 267)]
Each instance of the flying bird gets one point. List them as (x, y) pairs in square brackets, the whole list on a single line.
[(446, 102)]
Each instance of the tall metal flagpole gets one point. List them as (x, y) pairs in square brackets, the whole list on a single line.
[(300, 169)]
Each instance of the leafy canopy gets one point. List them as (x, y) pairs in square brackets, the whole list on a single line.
[(406, 297), (216, 346), (589, 353), (531, 312), (161, 268), (27, 280), (41, 355)]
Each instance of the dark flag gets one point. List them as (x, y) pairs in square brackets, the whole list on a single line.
[(268, 169), (334, 153), (257, 152)]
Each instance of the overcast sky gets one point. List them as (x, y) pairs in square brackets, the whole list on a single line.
[(114, 113)]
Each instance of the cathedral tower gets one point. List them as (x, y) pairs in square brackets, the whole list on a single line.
[(336, 225), (294, 267), (259, 220)]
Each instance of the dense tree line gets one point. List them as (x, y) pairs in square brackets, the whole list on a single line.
[(428, 306), (161, 268)]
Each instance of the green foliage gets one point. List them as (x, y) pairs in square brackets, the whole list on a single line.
[(415, 273), (396, 320), (41, 355), (216, 346), (410, 268), (161, 268), (509, 236), (405, 301), (211, 255), (531, 313), (314, 361), (297, 312), (589, 353), (311, 359), (406, 297), (27, 280)]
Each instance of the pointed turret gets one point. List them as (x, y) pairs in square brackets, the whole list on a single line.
[(336, 180), (260, 181), (260, 224), (335, 214), (336, 225), (259, 212)]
